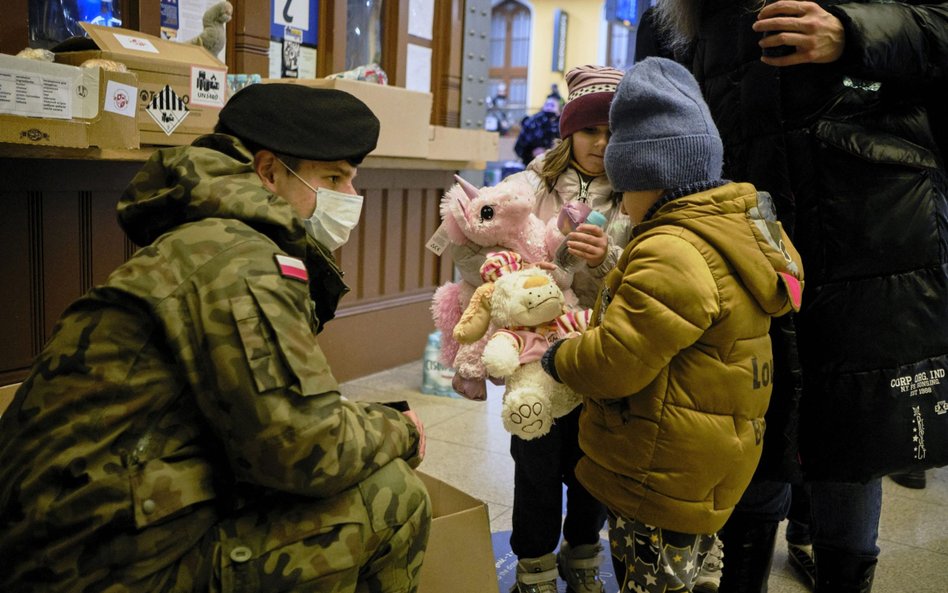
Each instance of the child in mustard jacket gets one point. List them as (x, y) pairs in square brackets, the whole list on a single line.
[(675, 374)]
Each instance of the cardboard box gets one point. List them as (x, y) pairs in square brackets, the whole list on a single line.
[(104, 106), (462, 144), (460, 557), (37, 88), (6, 396), (404, 114), (182, 87)]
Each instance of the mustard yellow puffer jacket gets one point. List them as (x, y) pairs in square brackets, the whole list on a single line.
[(676, 373)]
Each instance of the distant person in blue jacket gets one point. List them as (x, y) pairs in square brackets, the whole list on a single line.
[(539, 131)]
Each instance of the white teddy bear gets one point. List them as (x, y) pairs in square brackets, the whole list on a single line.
[(528, 308)]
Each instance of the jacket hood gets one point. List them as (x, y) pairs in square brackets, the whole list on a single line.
[(212, 178), (740, 223)]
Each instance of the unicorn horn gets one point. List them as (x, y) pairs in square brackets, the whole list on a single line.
[(469, 189)]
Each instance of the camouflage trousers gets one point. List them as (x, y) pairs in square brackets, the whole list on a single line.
[(370, 538)]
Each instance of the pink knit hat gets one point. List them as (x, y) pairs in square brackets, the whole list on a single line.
[(590, 92)]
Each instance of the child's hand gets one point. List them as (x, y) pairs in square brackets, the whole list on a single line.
[(589, 242), (562, 277), (546, 265)]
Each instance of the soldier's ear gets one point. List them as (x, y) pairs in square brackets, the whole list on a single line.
[(265, 164)]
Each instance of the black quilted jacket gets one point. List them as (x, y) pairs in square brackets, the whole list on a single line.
[(846, 149)]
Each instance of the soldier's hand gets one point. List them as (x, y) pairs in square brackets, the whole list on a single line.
[(421, 432)]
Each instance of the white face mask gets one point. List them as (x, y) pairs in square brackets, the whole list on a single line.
[(335, 216)]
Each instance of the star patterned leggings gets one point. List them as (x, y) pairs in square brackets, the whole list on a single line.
[(649, 559)]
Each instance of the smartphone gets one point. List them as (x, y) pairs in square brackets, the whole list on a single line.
[(780, 50)]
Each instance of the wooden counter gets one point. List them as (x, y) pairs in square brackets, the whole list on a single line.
[(28, 151), (60, 237)]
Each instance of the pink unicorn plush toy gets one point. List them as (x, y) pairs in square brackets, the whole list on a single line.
[(488, 219)]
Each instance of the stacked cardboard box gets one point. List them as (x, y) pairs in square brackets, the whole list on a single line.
[(404, 114), (182, 87), (462, 144), (46, 104)]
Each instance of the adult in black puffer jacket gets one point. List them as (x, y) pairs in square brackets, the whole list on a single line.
[(840, 135)]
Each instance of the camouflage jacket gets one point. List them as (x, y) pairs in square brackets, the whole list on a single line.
[(192, 373)]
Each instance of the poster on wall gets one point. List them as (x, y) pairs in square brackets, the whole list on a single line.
[(99, 12), (626, 11), (169, 19), (293, 36), (183, 20), (292, 40), (50, 23)]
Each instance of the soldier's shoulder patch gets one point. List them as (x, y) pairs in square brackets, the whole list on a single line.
[(291, 267)]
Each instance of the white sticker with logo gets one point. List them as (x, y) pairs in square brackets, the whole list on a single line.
[(121, 98), (136, 43), (167, 109), (208, 86)]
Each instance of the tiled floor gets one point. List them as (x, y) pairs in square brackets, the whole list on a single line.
[(468, 448)]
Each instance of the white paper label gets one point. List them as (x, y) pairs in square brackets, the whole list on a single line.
[(291, 13), (136, 43), (167, 109), (36, 95), (276, 60), (120, 98), (208, 86), (439, 241)]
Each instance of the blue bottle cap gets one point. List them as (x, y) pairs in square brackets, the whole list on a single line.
[(596, 218)]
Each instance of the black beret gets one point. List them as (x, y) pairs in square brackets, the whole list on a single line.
[(307, 123)]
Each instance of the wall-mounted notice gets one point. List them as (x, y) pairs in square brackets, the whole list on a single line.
[(183, 20), (293, 35)]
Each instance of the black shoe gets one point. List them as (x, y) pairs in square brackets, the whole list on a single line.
[(748, 553), (842, 572), (914, 478)]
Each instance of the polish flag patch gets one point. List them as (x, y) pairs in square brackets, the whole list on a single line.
[(290, 267)]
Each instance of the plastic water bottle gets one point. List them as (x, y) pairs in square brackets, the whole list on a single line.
[(436, 378), (566, 260)]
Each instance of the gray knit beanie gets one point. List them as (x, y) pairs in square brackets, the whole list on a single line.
[(663, 136)]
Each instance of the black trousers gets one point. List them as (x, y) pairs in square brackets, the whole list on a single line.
[(542, 466)]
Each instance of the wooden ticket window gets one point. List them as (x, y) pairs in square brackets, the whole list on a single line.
[(57, 213), (61, 236), (446, 47)]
